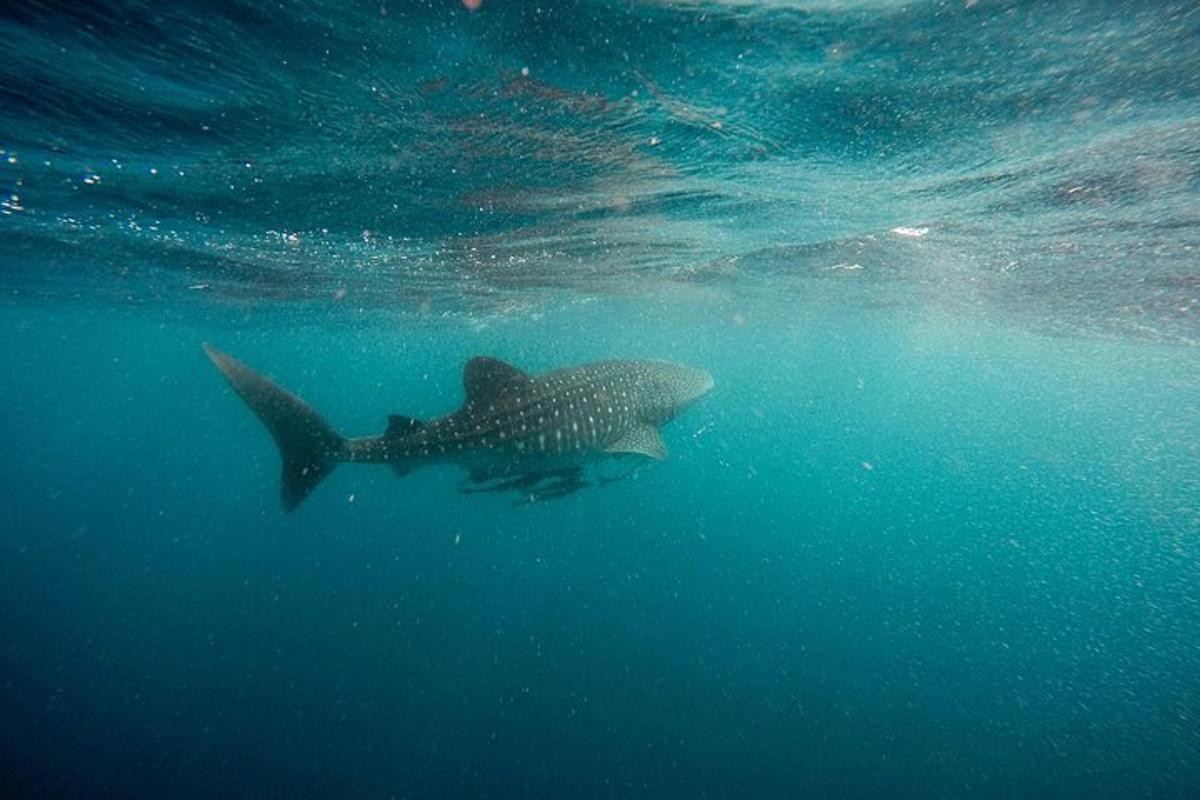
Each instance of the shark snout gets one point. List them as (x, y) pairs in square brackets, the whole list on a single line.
[(693, 384)]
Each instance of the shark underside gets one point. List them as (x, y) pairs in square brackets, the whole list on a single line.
[(542, 436)]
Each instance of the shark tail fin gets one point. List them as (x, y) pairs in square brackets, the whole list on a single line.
[(309, 447)]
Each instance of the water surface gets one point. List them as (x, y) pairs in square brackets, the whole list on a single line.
[(934, 533)]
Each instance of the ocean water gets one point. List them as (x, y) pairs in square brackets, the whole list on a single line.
[(934, 533)]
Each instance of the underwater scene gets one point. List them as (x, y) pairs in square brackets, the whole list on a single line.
[(600, 398)]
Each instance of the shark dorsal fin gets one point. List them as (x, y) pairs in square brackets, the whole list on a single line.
[(400, 425), (644, 440), (490, 378)]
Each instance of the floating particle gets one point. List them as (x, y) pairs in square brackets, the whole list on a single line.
[(868, 466), (912, 233)]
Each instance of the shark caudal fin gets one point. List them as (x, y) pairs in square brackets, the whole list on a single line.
[(308, 446)]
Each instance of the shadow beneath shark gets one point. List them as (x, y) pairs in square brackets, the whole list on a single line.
[(540, 486)]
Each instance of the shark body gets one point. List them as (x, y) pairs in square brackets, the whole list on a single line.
[(528, 433)]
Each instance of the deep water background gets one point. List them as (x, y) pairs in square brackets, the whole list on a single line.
[(933, 534)]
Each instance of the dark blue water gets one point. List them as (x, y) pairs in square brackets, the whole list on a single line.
[(935, 533)]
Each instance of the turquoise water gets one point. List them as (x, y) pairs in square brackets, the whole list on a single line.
[(935, 532)]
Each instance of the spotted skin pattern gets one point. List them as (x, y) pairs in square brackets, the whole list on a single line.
[(564, 413), (531, 433)]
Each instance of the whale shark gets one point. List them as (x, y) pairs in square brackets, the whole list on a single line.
[(530, 433)]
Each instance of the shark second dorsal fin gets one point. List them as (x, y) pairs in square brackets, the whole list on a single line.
[(644, 440), (490, 378), (400, 425)]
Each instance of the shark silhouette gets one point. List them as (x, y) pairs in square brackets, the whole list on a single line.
[(533, 434)]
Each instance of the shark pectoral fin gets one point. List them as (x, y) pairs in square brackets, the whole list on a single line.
[(645, 440)]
